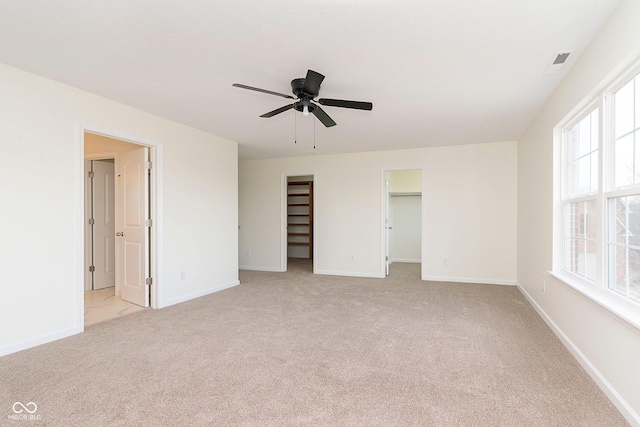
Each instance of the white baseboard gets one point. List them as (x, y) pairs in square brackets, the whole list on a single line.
[(414, 261), (349, 274), (625, 409), (43, 339), (254, 268), (198, 294), (470, 280)]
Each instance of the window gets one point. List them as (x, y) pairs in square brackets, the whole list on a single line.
[(600, 194), (623, 199)]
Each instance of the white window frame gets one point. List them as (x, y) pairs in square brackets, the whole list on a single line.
[(597, 290)]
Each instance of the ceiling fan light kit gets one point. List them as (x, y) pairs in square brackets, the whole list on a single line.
[(305, 91)]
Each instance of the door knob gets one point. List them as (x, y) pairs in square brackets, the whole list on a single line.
[(120, 233)]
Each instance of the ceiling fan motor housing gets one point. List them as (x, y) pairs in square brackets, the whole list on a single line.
[(296, 86), (304, 98)]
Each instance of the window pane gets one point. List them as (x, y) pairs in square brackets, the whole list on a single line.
[(634, 274), (624, 246), (637, 84), (633, 220), (619, 264), (584, 138), (624, 161), (584, 175), (594, 130), (626, 119), (582, 156), (626, 214), (623, 110), (576, 209), (573, 142), (572, 179), (581, 258), (620, 217), (567, 253), (590, 224), (627, 272), (581, 228), (626, 277), (594, 171), (635, 136)]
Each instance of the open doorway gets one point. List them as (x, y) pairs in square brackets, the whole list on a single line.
[(403, 222), (299, 223), (118, 222)]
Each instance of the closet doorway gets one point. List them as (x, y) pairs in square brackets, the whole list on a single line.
[(403, 221), (299, 223)]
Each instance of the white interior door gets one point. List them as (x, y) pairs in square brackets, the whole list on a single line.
[(103, 209), (134, 235)]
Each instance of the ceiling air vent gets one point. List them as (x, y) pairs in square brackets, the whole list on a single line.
[(558, 62), (561, 57)]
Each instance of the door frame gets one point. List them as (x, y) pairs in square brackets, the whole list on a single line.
[(385, 195), (283, 218), (156, 202), (87, 253)]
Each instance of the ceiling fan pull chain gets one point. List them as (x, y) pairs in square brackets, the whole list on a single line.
[(295, 127), (314, 134)]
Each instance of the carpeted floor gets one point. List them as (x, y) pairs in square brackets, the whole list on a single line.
[(297, 349)]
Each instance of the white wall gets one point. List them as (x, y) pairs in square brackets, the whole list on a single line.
[(405, 181), (41, 249), (608, 347), (469, 198)]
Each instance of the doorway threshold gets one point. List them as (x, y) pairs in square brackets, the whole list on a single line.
[(102, 305)]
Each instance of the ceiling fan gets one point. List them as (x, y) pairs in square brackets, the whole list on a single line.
[(305, 91)]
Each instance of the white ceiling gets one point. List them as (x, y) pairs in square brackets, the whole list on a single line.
[(439, 72)]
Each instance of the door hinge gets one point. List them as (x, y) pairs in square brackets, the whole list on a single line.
[(148, 165), (92, 174), (149, 223), (386, 258), (148, 281), (92, 268), (92, 221)]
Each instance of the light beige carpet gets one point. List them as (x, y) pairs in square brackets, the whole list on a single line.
[(297, 349)]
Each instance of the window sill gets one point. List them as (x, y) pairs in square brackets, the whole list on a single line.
[(619, 307)]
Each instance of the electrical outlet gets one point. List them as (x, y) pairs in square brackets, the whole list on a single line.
[(248, 252), (352, 258), (444, 261), (346, 258), (183, 274), (544, 286)]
